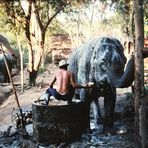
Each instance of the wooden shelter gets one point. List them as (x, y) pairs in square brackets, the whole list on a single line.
[(7, 47), (60, 47)]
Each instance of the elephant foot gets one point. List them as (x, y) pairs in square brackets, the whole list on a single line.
[(108, 131), (99, 121), (87, 131)]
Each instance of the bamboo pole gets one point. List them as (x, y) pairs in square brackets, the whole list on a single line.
[(14, 90)]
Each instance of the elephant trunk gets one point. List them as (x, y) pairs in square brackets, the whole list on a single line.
[(120, 78)]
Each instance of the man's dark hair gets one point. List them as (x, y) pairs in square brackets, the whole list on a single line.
[(64, 67)]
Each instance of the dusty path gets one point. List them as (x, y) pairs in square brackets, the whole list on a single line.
[(26, 99), (7, 98)]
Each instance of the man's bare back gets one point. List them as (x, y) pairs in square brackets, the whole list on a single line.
[(63, 78), (65, 84)]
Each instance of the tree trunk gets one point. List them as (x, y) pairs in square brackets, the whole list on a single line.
[(22, 71), (32, 77), (21, 61), (39, 56), (32, 72), (91, 19), (139, 75)]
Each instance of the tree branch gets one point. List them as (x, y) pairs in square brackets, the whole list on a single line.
[(37, 14), (23, 12), (8, 7), (28, 17), (53, 16)]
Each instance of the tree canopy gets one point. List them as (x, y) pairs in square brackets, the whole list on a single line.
[(34, 20)]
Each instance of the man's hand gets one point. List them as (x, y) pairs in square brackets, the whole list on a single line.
[(52, 82), (50, 85), (90, 84)]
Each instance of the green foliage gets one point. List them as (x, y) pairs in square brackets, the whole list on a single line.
[(15, 18), (125, 16), (125, 11), (55, 28), (12, 20), (146, 18), (3, 17), (145, 5), (76, 14), (41, 70)]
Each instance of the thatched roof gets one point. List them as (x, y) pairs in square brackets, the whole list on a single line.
[(7, 46)]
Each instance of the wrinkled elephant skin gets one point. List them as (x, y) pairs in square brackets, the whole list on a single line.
[(3, 70), (101, 61)]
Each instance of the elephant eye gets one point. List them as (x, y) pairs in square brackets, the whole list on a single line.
[(103, 66)]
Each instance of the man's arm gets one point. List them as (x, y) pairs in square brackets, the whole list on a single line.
[(52, 82), (75, 85)]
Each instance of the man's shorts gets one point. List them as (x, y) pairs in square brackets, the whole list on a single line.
[(66, 97)]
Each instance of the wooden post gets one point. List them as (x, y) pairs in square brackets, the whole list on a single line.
[(14, 90), (139, 123), (6, 64)]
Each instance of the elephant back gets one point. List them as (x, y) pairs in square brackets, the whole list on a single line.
[(80, 57)]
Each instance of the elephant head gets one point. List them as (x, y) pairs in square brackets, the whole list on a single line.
[(108, 64)]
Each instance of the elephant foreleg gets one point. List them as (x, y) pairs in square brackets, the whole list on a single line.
[(96, 111), (109, 106), (93, 96)]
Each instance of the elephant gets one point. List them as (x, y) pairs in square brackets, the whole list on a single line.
[(102, 61), (3, 70)]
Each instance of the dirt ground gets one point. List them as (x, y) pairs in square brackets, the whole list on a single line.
[(7, 97), (8, 103)]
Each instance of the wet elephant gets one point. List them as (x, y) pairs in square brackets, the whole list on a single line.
[(3, 71), (102, 61)]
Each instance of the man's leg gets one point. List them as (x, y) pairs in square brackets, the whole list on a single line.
[(50, 92), (47, 95)]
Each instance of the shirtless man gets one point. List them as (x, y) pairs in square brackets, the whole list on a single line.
[(66, 84)]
